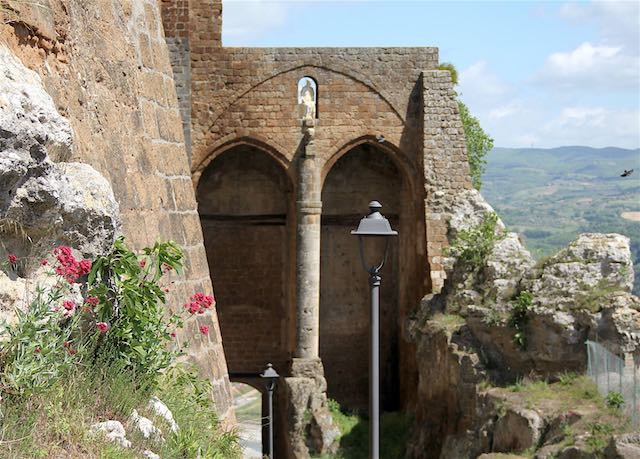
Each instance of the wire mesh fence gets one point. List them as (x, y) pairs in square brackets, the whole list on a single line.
[(616, 375)]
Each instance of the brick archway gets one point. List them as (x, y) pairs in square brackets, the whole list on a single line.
[(363, 172), (244, 199)]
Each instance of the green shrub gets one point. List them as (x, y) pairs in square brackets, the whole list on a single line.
[(473, 245), (72, 359), (42, 344), (614, 400), (519, 318), (131, 302)]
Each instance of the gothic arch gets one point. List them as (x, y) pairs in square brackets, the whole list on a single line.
[(245, 204), (398, 157), (232, 141)]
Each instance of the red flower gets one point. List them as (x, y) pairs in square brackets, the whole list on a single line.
[(68, 267), (69, 305), (12, 258), (66, 344), (44, 262), (102, 326), (199, 303), (72, 351), (38, 350), (166, 290), (92, 300), (173, 334), (166, 267), (142, 263), (204, 329)]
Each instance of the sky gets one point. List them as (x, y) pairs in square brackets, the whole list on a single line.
[(536, 74)]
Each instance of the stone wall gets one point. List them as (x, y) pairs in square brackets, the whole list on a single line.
[(106, 66)]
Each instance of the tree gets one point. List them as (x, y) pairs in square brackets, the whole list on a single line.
[(479, 143)]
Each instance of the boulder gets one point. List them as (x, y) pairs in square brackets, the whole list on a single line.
[(145, 426), (625, 446), (113, 431), (28, 115), (517, 430), (44, 202), (160, 409)]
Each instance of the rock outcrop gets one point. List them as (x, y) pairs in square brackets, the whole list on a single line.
[(507, 318)]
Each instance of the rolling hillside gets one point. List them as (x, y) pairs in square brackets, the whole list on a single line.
[(551, 195)]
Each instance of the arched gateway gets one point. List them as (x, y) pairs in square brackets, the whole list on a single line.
[(283, 173)]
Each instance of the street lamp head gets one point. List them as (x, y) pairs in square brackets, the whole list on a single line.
[(374, 224), (270, 375)]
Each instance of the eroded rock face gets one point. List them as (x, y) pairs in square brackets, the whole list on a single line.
[(43, 203), (583, 292), (27, 112)]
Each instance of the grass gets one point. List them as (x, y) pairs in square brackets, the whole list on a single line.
[(56, 423), (354, 439), (594, 423), (448, 322)]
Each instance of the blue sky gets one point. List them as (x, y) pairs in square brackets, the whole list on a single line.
[(540, 74)]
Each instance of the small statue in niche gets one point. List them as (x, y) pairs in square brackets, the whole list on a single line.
[(307, 101)]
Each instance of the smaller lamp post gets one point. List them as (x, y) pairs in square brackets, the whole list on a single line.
[(374, 225), (271, 377)]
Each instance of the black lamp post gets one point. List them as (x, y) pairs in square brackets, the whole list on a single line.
[(374, 225), (271, 377)]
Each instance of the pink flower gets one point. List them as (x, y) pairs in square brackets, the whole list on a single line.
[(44, 262), (92, 300), (204, 329), (199, 303), (12, 258), (68, 267), (69, 305), (173, 334), (142, 263), (102, 326)]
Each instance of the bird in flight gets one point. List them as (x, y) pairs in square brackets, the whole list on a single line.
[(626, 173), (380, 138)]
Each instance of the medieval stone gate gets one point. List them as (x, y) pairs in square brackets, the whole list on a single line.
[(283, 173)]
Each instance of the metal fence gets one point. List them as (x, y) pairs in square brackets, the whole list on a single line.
[(612, 373)]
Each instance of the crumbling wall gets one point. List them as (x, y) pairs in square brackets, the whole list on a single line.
[(106, 66)]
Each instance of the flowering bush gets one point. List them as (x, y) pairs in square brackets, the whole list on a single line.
[(121, 319), (128, 304), (42, 345)]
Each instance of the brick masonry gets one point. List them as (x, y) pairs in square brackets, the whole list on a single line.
[(247, 97), (108, 69)]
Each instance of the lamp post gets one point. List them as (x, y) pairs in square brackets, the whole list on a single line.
[(374, 225), (271, 377)]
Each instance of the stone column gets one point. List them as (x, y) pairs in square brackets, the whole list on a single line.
[(309, 208)]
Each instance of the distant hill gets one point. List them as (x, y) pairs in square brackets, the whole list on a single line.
[(552, 195)]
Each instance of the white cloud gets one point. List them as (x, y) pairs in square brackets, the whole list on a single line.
[(605, 67), (618, 21), (244, 20), (504, 111), (477, 81), (594, 126)]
